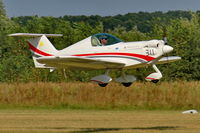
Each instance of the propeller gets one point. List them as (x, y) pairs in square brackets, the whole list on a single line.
[(165, 40), (166, 43), (165, 35), (166, 49)]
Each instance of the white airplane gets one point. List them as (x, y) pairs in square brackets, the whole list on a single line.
[(101, 51)]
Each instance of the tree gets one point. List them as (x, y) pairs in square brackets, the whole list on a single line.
[(2, 9), (182, 32)]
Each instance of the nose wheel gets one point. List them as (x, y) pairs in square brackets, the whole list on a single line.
[(155, 81), (154, 77)]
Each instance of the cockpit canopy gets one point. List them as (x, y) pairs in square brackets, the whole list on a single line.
[(104, 39)]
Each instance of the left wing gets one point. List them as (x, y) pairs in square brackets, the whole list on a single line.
[(78, 62)]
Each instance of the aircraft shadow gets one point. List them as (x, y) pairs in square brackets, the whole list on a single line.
[(91, 130)]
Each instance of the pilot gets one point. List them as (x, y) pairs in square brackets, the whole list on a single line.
[(103, 40)]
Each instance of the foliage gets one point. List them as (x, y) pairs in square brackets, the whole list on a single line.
[(182, 27)]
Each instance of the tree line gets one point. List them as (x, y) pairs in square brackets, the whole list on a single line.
[(181, 27)]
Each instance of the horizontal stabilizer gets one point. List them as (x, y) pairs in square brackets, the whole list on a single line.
[(39, 65), (35, 35)]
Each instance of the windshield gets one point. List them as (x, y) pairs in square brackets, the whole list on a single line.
[(104, 39)]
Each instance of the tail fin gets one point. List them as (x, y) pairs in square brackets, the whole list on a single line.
[(39, 46)]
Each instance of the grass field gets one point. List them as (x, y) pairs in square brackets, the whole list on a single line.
[(91, 121), (86, 108), (77, 95)]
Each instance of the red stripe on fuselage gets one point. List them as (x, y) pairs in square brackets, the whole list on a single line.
[(38, 51), (144, 57)]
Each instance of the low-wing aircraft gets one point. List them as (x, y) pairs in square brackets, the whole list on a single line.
[(101, 51)]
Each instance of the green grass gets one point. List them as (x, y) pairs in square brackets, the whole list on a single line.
[(93, 121)]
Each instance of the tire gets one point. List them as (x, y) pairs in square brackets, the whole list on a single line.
[(103, 85), (155, 81), (127, 84)]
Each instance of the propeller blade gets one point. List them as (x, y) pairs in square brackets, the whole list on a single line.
[(165, 40)]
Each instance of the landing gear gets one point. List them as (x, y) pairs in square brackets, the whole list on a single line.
[(154, 77), (102, 80), (126, 80)]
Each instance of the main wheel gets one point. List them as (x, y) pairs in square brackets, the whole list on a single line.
[(127, 84), (155, 81), (103, 85)]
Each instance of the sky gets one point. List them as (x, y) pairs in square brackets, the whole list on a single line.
[(59, 8)]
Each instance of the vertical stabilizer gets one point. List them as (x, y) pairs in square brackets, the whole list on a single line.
[(41, 46)]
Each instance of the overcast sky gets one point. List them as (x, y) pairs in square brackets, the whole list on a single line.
[(94, 7)]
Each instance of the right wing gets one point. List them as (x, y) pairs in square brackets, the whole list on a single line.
[(168, 59)]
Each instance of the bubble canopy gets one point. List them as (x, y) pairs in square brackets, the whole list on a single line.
[(96, 39)]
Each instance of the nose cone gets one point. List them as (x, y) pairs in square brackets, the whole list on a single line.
[(167, 49)]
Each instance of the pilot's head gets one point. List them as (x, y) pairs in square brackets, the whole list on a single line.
[(103, 40)]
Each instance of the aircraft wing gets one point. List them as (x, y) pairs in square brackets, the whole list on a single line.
[(168, 59), (78, 62)]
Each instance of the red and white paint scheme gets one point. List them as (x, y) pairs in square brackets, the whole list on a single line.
[(100, 51)]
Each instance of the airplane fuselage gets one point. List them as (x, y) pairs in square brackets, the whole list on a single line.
[(133, 54)]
